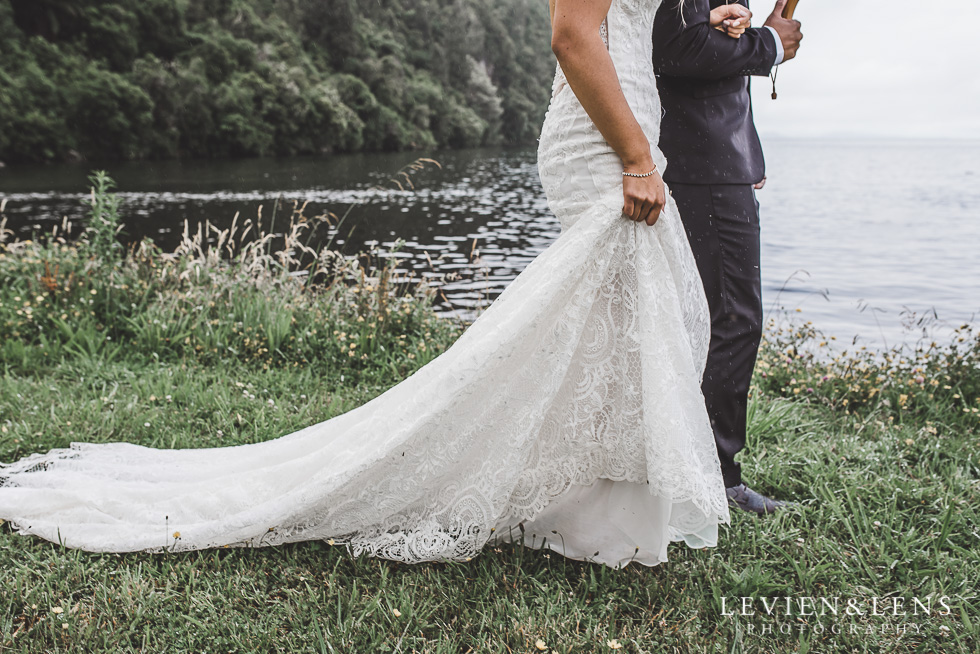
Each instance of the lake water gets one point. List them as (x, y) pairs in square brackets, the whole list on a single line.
[(874, 241)]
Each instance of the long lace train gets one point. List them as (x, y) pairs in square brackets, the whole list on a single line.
[(570, 410)]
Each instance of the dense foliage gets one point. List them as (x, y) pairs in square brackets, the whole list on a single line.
[(135, 79)]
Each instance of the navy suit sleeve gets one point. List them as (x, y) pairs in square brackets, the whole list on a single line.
[(692, 48)]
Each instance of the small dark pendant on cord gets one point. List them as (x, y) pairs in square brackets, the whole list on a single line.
[(774, 73)]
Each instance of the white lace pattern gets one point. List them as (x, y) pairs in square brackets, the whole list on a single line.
[(584, 373)]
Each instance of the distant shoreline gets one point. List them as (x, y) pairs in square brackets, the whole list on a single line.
[(878, 140)]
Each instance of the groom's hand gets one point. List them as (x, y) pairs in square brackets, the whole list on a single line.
[(787, 29)]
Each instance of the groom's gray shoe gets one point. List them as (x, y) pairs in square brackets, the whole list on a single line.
[(743, 497)]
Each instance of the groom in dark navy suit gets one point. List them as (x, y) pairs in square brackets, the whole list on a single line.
[(715, 165)]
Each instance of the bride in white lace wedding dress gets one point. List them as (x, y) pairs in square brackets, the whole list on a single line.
[(569, 415)]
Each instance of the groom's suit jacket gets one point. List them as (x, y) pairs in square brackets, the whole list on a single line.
[(707, 131)]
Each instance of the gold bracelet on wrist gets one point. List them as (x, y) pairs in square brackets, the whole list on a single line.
[(649, 174)]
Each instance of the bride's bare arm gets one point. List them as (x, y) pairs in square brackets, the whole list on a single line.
[(592, 76), (589, 69)]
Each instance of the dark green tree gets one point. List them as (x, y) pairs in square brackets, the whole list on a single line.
[(128, 79)]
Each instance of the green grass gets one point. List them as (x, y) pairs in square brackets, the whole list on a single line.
[(887, 488)]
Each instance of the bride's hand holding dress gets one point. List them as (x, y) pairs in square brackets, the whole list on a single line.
[(569, 415)]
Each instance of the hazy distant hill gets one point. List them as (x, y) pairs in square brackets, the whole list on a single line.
[(215, 78)]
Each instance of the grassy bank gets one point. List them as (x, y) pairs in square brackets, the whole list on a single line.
[(193, 349)]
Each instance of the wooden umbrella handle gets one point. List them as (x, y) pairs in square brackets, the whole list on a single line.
[(790, 8)]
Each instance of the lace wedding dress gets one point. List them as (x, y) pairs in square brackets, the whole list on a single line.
[(569, 415)]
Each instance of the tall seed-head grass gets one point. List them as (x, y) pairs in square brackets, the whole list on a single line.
[(261, 297)]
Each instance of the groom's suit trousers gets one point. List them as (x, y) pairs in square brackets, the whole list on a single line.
[(714, 158), (722, 224)]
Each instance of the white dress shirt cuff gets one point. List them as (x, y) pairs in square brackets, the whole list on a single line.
[(780, 53)]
